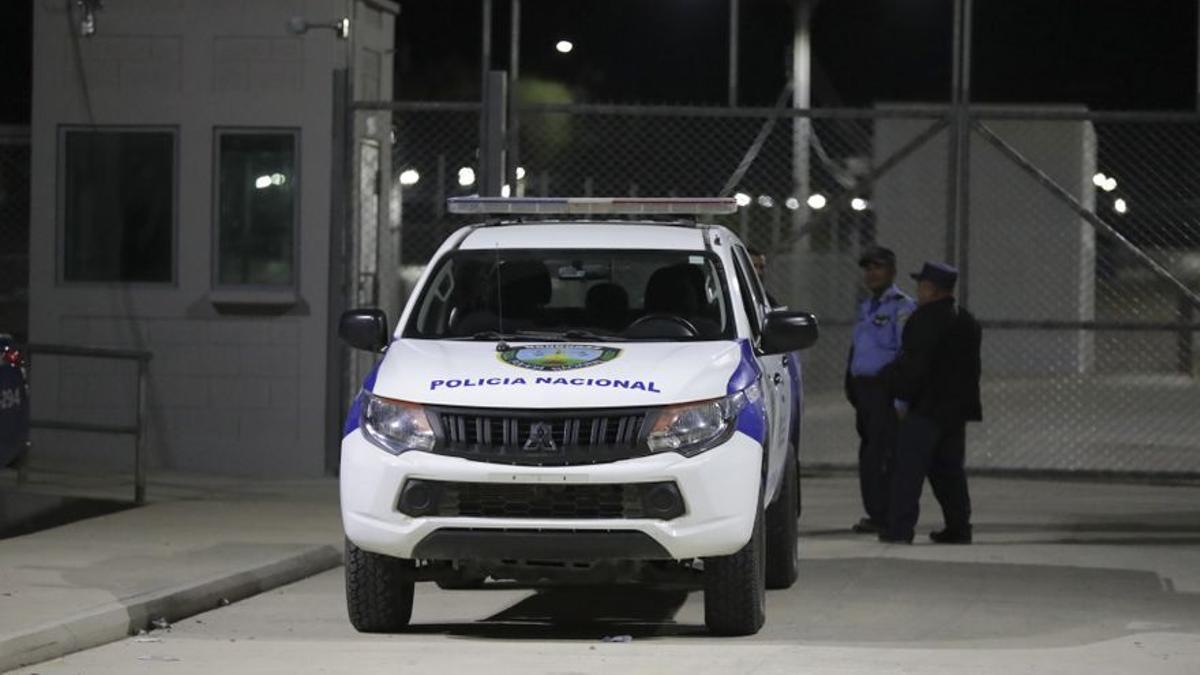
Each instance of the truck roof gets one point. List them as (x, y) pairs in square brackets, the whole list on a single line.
[(587, 235)]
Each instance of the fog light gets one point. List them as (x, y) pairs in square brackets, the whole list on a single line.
[(418, 498), (662, 501)]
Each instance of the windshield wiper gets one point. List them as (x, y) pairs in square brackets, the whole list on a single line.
[(513, 335), (581, 334), (549, 336)]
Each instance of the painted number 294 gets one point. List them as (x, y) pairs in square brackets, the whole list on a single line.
[(10, 398)]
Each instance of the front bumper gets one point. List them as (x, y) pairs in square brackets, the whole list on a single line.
[(720, 489)]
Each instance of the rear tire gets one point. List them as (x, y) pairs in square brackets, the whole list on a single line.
[(735, 596), (379, 591), (783, 530)]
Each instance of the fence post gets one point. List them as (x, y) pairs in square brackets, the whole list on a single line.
[(439, 199), (958, 186), (963, 220), (339, 292), (492, 149), (514, 116), (139, 442), (1187, 314)]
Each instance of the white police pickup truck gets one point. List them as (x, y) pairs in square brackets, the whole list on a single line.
[(581, 399)]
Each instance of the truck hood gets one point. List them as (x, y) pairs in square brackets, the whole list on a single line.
[(556, 375)]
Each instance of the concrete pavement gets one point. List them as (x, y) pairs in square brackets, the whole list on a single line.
[(1064, 577), (201, 543), (1110, 423)]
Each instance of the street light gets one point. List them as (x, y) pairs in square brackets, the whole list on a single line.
[(766, 201), (1099, 179), (742, 199), (520, 173), (1120, 206), (409, 177), (466, 176), (859, 204), (1110, 184), (792, 203), (564, 46), (816, 202)]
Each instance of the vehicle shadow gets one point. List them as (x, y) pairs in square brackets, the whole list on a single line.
[(579, 613)]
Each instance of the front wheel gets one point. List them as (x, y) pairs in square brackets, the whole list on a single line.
[(379, 591), (783, 530), (735, 595)]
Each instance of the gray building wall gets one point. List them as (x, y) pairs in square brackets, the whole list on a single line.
[(1029, 256), (231, 392)]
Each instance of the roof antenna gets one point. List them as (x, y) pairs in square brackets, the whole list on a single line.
[(501, 346)]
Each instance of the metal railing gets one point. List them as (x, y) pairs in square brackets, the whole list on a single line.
[(137, 429)]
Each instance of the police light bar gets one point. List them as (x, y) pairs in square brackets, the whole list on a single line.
[(592, 205)]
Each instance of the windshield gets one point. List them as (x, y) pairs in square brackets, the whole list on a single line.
[(574, 295)]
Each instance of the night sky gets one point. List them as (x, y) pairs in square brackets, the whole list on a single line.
[(16, 58), (1107, 54)]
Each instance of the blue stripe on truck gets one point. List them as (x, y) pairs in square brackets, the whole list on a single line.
[(752, 421), (352, 417)]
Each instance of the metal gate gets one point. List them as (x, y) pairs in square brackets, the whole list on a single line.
[(1077, 233)]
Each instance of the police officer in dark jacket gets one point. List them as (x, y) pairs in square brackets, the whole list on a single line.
[(875, 345), (935, 384)]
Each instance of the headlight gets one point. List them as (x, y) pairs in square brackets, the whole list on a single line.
[(396, 426), (692, 428)]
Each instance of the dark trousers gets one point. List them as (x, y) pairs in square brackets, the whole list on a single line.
[(875, 419), (927, 449)]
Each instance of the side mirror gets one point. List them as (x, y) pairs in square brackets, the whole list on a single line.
[(786, 331), (364, 329)]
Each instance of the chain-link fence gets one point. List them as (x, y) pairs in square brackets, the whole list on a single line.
[(14, 231), (1083, 258), (1078, 235)]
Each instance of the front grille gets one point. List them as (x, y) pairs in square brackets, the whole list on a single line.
[(534, 437), (534, 500)]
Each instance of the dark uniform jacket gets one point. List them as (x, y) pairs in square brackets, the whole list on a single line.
[(937, 371)]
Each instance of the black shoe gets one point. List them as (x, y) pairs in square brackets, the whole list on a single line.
[(889, 539), (948, 536), (866, 526)]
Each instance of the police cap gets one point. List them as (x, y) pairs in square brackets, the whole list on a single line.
[(878, 255), (940, 274)]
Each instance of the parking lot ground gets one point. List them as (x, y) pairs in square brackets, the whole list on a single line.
[(1064, 577)]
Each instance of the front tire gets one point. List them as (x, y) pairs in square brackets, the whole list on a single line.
[(379, 591), (783, 530), (735, 595)]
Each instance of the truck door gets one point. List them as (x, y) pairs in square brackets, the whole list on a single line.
[(776, 382)]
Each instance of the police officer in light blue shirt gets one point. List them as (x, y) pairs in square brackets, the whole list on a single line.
[(876, 344)]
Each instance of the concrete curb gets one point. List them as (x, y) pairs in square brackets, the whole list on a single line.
[(122, 618)]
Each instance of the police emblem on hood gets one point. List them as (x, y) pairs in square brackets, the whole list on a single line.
[(558, 357)]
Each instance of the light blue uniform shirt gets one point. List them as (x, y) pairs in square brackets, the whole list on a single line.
[(877, 333)]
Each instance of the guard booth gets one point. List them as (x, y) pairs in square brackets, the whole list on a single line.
[(190, 186)]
